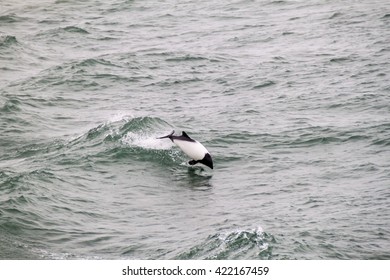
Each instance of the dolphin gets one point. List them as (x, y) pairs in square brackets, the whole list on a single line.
[(191, 148)]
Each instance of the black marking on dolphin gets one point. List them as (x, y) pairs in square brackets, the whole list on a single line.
[(207, 160)]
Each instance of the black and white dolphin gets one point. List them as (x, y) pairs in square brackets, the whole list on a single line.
[(191, 148)]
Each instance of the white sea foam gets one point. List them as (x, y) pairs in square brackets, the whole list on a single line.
[(146, 141)]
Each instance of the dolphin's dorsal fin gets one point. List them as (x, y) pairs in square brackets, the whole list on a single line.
[(184, 134)]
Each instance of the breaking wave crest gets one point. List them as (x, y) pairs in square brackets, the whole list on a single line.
[(133, 138), (236, 244)]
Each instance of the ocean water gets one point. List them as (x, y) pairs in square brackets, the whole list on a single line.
[(291, 98)]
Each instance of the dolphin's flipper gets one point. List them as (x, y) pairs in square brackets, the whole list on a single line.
[(193, 162)]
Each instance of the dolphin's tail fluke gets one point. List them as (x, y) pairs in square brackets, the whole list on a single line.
[(167, 136)]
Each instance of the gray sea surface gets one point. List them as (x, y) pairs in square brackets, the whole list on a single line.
[(291, 98)]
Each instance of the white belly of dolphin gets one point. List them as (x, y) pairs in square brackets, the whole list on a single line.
[(194, 150)]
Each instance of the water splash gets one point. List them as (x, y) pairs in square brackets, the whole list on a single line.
[(146, 141), (236, 244)]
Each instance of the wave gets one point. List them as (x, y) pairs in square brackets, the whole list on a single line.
[(10, 105), (7, 40), (236, 244), (60, 31), (31, 174), (264, 84), (94, 73), (185, 58), (75, 29), (13, 249), (126, 138), (128, 131), (11, 18), (134, 138), (314, 136)]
